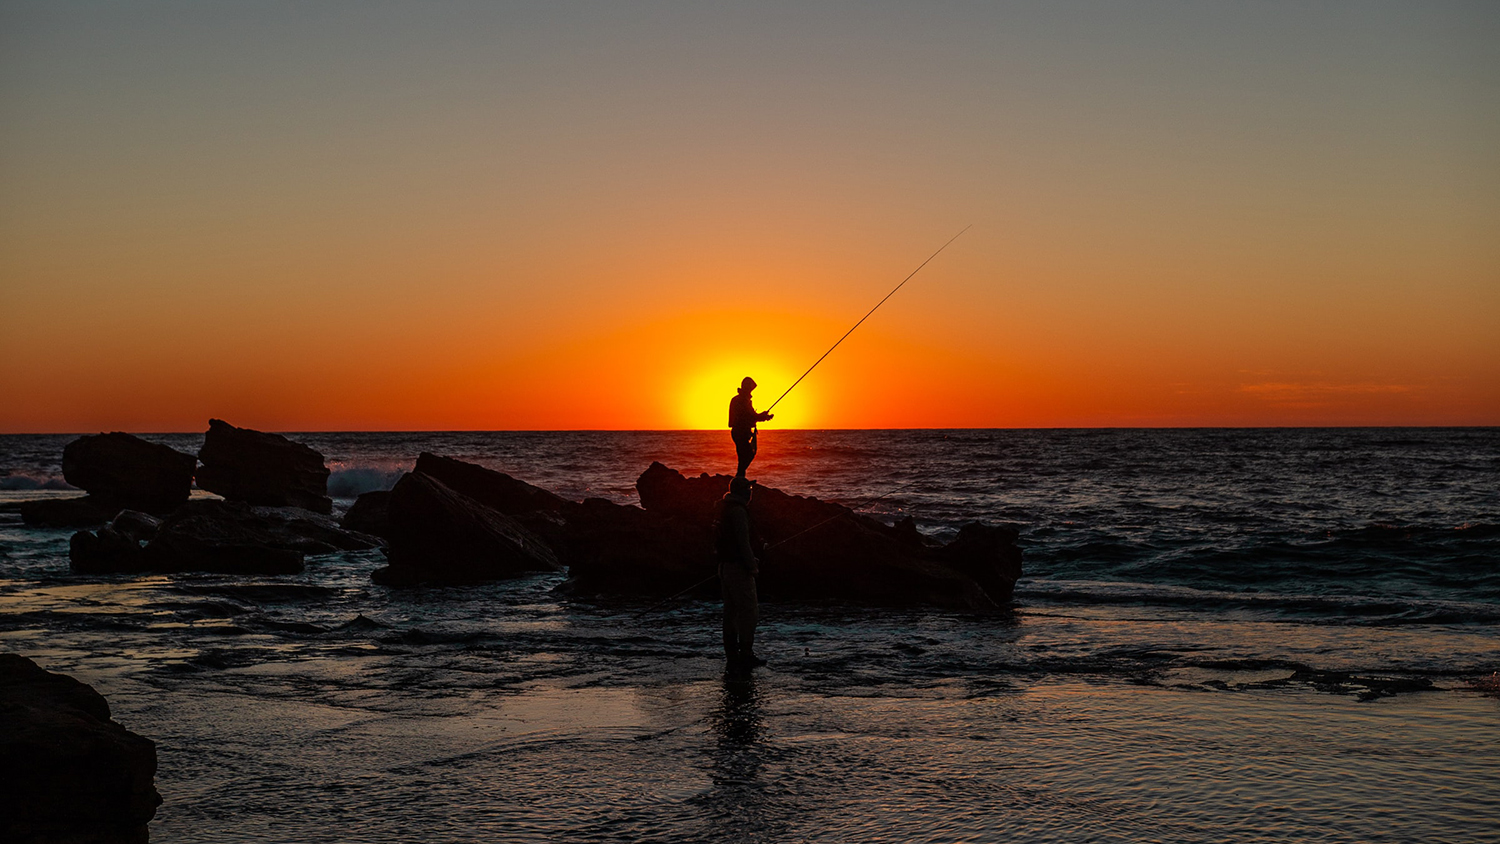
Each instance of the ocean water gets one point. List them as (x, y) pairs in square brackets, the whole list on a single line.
[(1221, 635)]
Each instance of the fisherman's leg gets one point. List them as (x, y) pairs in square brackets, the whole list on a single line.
[(731, 628), (744, 450), (747, 619)]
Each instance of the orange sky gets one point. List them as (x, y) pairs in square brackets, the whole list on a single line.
[(527, 217)]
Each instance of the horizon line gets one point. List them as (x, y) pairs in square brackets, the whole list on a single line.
[(789, 430)]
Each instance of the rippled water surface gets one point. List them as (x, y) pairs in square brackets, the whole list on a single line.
[(1222, 635)]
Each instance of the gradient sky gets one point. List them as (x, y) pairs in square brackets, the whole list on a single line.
[(347, 216)]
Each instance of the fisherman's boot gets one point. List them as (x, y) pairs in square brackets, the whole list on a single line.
[(748, 659)]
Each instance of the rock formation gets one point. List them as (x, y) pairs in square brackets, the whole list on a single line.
[(213, 536), (79, 511), (67, 772), (369, 514), (815, 550), (819, 550), (440, 536), (119, 471), (489, 487), (260, 468)]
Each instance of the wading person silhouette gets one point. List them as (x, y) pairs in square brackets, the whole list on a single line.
[(742, 422), (737, 571)]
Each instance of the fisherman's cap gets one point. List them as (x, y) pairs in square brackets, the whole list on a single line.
[(740, 487), (747, 384)]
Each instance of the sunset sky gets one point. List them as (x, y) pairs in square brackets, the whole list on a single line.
[(356, 216)]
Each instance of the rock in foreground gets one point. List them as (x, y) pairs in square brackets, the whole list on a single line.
[(67, 772), (260, 468)]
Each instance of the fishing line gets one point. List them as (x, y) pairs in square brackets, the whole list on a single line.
[(865, 317)]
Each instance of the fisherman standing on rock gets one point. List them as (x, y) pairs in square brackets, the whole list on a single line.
[(742, 421), (738, 568)]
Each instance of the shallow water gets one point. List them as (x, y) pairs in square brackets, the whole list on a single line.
[(1247, 636)]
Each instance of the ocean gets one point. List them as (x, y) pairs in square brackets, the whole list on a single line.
[(1221, 635)]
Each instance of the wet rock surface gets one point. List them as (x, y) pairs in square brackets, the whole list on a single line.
[(67, 772), (260, 468)]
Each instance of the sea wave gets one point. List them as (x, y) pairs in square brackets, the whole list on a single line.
[(1369, 610), (22, 481), (351, 481)]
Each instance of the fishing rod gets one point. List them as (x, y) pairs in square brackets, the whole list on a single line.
[(862, 505), (865, 317)]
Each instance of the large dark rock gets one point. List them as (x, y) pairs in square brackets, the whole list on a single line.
[(214, 536), (67, 772), (493, 489), (454, 522), (820, 550), (440, 536), (121, 471), (616, 549), (260, 468)]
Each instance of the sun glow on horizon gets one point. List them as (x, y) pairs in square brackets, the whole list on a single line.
[(704, 398)]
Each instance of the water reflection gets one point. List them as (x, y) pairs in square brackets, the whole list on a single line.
[(740, 806)]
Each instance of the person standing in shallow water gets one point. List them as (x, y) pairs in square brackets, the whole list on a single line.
[(738, 568), (742, 422)]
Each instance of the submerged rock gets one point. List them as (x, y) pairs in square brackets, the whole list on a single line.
[(121, 471), (259, 468), (440, 536), (67, 772), (214, 536)]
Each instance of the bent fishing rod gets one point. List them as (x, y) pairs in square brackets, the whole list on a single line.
[(862, 505), (866, 316)]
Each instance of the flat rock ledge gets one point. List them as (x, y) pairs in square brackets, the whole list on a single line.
[(68, 773)]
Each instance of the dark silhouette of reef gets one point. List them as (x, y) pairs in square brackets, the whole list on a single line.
[(274, 511), (68, 774), (453, 522), (448, 522)]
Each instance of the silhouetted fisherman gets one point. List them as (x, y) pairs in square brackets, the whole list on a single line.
[(742, 421), (738, 568)]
